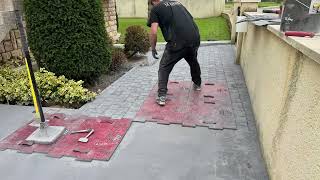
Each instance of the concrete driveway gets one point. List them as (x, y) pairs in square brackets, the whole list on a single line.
[(153, 151)]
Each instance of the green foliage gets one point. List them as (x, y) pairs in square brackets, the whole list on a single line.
[(68, 37), (118, 59), (15, 89), (136, 40), (274, 3), (124, 23), (13, 62)]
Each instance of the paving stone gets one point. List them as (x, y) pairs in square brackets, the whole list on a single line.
[(127, 94)]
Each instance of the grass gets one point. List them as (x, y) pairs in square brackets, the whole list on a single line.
[(268, 4), (214, 28), (229, 5)]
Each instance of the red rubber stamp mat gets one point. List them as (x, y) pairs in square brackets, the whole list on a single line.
[(211, 107), (107, 135)]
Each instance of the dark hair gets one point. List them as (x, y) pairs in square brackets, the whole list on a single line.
[(152, 2)]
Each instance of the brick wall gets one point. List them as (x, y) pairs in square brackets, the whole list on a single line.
[(109, 9)]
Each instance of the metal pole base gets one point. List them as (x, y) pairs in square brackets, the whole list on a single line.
[(47, 135), (36, 123)]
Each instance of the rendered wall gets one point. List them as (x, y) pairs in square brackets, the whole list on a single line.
[(198, 8), (284, 87), (132, 8)]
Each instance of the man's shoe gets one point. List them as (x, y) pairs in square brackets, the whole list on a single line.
[(196, 87), (161, 100)]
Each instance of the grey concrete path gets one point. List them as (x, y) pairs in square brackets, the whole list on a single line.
[(152, 151)]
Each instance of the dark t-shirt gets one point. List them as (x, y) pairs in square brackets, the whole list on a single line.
[(176, 23)]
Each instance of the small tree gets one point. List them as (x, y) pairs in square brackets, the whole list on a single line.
[(68, 37), (136, 40)]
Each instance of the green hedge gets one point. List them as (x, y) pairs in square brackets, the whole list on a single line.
[(68, 37), (15, 89)]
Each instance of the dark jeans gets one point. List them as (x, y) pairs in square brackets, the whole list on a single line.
[(170, 58)]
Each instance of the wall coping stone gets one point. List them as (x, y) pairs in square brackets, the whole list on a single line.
[(308, 46)]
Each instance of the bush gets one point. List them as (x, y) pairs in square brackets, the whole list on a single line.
[(118, 59), (15, 89), (13, 62), (136, 40), (68, 37)]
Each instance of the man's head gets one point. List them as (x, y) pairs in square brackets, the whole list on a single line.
[(155, 2)]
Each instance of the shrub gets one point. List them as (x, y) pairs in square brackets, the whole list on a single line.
[(118, 59), (15, 89), (13, 62), (136, 40), (68, 37)]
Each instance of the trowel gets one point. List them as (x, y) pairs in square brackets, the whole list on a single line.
[(85, 139)]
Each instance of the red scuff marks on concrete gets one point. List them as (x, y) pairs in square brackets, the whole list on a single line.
[(211, 107), (107, 135)]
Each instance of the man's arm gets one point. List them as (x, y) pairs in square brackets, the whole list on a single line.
[(153, 39), (153, 35)]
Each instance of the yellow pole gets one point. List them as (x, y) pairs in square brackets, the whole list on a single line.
[(32, 92)]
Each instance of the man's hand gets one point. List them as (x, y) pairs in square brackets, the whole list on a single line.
[(155, 54)]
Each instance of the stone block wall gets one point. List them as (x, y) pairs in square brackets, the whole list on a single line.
[(109, 9), (7, 17), (10, 40), (10, 48)]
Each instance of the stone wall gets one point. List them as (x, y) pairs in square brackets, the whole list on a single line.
[(7, 17), (10, 48), (10, 41), (109, 9)]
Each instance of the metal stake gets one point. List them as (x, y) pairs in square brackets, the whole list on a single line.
[(26, 54)]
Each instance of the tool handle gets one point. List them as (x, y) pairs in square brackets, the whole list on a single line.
[(299, 33), (91, 132), (81, 131), (271, 11)]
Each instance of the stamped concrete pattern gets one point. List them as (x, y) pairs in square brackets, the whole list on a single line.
[(210, 107), (107, 135), (149, 150), (124, 98)]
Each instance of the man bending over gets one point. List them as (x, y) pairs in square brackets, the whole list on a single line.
[(183, 40)]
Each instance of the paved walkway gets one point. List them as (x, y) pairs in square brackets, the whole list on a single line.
[(152, 151)]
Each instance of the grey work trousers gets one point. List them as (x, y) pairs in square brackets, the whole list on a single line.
[(170, 58)]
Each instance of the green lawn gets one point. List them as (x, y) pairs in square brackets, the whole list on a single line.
[(261, 4), (214, 28), (268, 4)]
